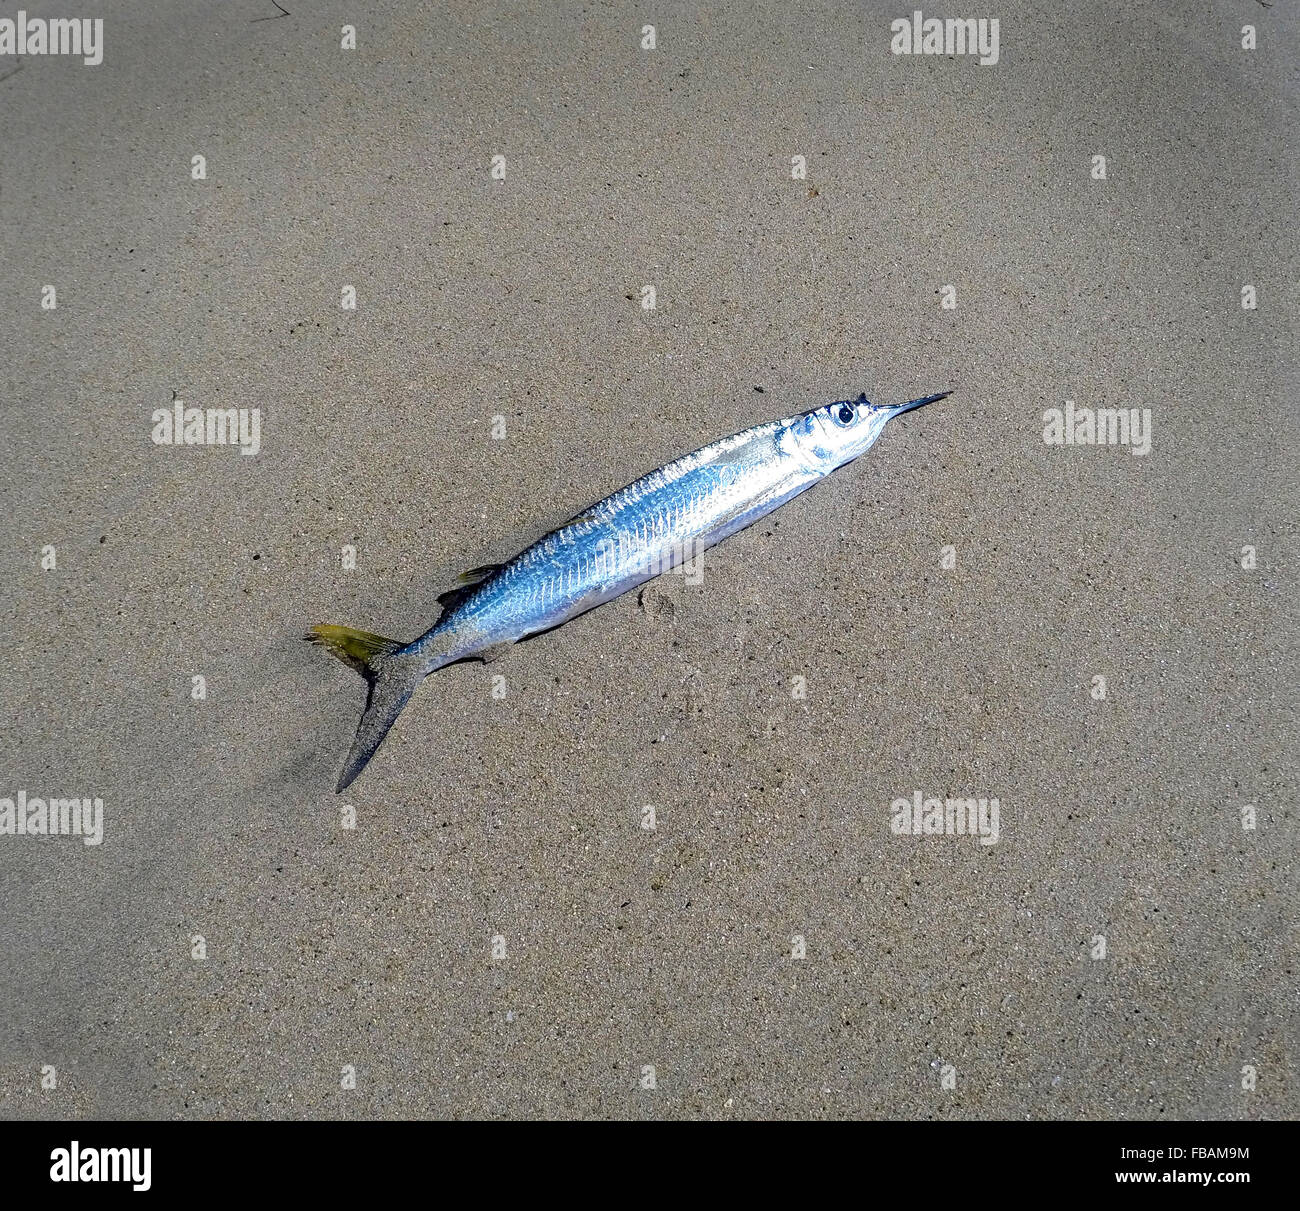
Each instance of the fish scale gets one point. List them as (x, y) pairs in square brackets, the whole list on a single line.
[(659, 521)]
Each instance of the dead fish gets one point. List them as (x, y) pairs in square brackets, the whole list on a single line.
[(649, 527)]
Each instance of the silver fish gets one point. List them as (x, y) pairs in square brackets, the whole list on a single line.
[(662, 520)]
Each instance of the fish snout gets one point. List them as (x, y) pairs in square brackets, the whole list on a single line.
[(899, 409)]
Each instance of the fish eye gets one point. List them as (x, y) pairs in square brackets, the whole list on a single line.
[(843, 414)]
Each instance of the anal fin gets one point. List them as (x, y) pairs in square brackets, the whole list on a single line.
[(495, 652)]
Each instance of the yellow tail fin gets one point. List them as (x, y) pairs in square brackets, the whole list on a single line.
[(359, 650), (392, 679)]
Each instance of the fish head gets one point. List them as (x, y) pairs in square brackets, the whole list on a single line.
[(835, 434)]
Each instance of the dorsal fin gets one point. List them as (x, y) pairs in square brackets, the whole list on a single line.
[(466, 583), (474, 575)]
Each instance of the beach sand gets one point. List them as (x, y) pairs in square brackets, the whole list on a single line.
[(499, 935)]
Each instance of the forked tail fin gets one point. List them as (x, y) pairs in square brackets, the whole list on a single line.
[(392, 679)]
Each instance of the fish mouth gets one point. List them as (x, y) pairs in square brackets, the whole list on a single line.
[(899, 409)]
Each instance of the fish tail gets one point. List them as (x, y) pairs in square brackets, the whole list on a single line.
[(391, 675)]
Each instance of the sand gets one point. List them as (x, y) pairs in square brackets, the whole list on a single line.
[(499, 935)]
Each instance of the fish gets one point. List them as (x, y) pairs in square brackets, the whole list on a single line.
[(656, 523)]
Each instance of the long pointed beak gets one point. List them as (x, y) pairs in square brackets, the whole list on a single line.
[(899, 409)]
